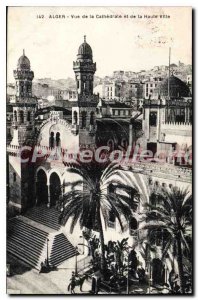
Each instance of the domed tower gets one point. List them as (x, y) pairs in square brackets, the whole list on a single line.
[(24, 104), (84, 69), (23, 76), (84, 112), (21, 173)]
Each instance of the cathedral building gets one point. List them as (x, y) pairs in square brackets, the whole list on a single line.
[(88, 123)]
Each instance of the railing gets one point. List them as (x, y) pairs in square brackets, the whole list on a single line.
[(84, 263), (164, 168), (177, 125)]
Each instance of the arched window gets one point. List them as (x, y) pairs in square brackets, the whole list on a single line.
[(57, 139), (15, 116), (28, 116), (21, 117), (92, 118), (84, 119), (75, 118), (51, 140)]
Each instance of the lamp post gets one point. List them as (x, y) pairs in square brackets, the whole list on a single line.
[(128, 269), (128, 273), (76, 267), (82, 237), (47, 253)]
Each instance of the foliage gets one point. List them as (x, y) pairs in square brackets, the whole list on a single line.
[(172, 215), (88, 201)]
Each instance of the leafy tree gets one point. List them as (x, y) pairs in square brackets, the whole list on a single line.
[(172, 215), (88, 201)]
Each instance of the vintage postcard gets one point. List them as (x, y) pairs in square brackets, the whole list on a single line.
[(99, 150)]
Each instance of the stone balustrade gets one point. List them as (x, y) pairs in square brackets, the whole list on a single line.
[(166, 168), (177, 125)]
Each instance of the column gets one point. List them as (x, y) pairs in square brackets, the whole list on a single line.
[(18, 116), (25, 115), (185, 114), (130, 135), (158, 123), (35, 191), (188, 114), (48, 195)]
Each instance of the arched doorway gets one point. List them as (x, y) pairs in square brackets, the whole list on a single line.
[(55, 188), (158, 272), (41, 188)]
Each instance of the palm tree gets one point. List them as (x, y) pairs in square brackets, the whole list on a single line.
[(88, 201), (172, 215)]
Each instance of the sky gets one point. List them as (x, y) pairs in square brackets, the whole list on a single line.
[(128, 43)]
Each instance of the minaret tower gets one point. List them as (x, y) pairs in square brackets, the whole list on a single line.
[(21, 173), (84, 69), (84, 112), (24, 104)]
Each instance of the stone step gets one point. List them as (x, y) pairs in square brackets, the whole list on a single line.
[(45, 216), (27, 240), (62, 249)]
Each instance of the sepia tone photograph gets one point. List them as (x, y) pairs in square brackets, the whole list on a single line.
[(99, 150)]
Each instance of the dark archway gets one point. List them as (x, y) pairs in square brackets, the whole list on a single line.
[(28, 116), (84, 119), (55, 188), (51, 140), (58, 140), (21, 114), (158, 272), (41, 188), (92, 118), (75, 118)]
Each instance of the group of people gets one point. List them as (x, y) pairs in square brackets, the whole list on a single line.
[(45, 267)]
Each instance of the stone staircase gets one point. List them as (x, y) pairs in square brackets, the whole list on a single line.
[(44, 215), (29, 236), (61, 250), (25, 242)]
